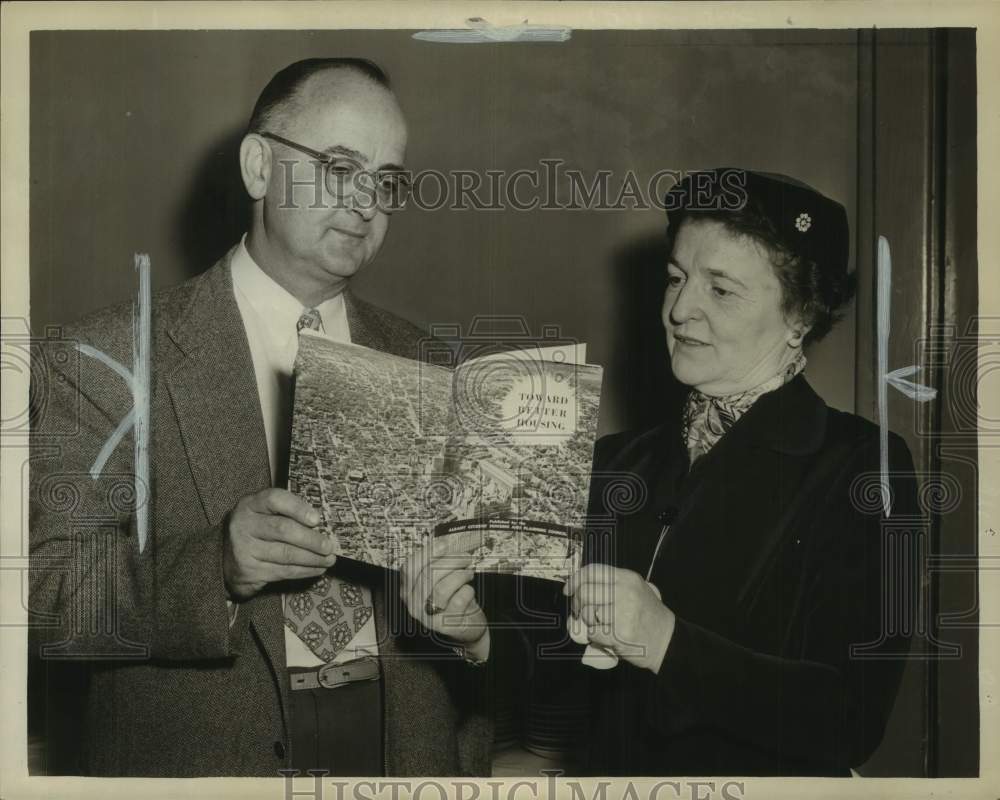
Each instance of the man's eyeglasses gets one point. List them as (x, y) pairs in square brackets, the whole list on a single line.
[(345, 177)]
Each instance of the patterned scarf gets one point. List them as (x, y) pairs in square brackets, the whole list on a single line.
[(706, 419)]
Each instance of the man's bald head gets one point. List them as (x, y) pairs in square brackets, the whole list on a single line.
[(309, 235), (285, 94)]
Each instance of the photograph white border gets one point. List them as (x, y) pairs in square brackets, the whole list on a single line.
[(18, 19)]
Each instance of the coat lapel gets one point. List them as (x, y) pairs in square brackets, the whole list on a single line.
[(214, 395), (364, 329), (737, 504)]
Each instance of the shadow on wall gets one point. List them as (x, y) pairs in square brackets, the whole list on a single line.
[(216, 209), (643, 387)]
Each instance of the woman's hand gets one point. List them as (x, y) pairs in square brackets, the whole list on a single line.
[(437, 593), (622, 612)]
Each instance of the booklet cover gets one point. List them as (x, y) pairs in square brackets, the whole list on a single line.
[(491, 458)]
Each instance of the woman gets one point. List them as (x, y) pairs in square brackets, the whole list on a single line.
[(746, 563)]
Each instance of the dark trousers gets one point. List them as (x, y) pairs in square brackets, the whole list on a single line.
[(338, 730)]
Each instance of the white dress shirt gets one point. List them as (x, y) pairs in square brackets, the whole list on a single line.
[(270, 315)]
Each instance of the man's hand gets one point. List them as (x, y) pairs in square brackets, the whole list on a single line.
[(622, 612), (437, 592), (269, 537)]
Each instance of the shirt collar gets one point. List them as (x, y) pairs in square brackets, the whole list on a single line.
[(274, 305)]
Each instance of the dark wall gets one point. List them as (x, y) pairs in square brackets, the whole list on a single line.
[(134, 137)]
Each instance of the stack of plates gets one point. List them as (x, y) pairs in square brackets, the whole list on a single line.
[(553, 730)]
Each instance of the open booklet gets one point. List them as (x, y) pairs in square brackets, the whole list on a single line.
[(491, 458)]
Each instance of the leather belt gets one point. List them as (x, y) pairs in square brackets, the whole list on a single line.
[(332, 676)]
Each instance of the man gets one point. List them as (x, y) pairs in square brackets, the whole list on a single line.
[(213, 656)]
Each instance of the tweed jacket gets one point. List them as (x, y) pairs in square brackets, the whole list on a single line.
[(174, 690), (775, 558)]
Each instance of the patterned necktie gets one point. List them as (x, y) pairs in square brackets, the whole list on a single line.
[(310, 319), (707, 418), (328, 613)]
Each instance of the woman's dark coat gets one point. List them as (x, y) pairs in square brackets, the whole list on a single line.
[(773, 564)]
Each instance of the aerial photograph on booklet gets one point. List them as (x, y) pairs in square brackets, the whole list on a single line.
[(490, 458)]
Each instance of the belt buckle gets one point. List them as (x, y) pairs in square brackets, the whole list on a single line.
[(332, 676)]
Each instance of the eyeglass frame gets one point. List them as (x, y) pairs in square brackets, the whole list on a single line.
[(326, 159)]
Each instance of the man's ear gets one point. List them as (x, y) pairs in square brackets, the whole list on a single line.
[(255, 165)]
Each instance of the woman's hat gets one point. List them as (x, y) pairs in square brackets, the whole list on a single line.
[(802, 220)]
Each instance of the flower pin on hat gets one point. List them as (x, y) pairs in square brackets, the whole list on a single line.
[(803, 222)]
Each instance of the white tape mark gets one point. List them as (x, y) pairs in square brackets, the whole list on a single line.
[(112, 442), (480, 30), (915, 391), (896, 378), (140, 396), (138, 383), (882, 299), (107, 360)]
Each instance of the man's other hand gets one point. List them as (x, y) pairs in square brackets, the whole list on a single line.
[(270, 536), (437, 592)]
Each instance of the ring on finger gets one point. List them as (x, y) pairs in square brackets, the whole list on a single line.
[(431, 609)]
